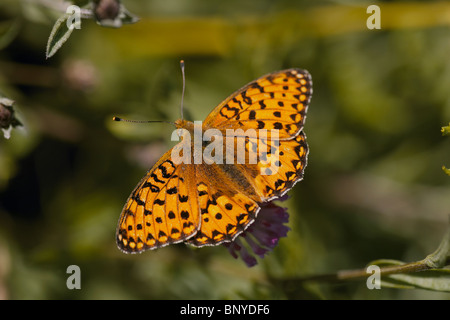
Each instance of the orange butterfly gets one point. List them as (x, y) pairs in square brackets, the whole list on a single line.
[(209, 203)]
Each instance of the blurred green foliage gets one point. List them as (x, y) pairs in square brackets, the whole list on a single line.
[(373, 188)]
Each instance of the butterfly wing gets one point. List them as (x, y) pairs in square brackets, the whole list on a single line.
[(160, 210), (275, 101), (282, 168), (225, 209), (228, 209)]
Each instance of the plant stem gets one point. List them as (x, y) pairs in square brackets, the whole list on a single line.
[(439, 258), (436, 260)]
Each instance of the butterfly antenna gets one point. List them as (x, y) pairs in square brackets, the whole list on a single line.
[(184, 86), (153, 121), (141, 121)]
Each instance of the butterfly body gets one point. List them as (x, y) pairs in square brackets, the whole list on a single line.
[(215, 192)]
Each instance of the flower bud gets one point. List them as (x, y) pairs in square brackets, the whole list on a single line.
[(106, 9)]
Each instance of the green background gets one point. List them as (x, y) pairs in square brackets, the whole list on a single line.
[(373, 188)]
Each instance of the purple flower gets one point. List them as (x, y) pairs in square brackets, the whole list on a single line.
[(261, 236)]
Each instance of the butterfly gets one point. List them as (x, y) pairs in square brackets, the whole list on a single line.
[(207, 203)]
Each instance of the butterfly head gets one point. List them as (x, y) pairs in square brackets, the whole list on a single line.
[(184, 124)]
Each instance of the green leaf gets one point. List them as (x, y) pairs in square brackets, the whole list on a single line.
[(433, 279), (447, 171), (127, 17), (60, 33), (446, 130)]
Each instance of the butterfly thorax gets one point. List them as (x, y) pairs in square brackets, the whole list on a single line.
[(198, 131), (184, 124), (191, 126)]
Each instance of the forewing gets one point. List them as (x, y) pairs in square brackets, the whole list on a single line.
[(270, 167), (275, 101)]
